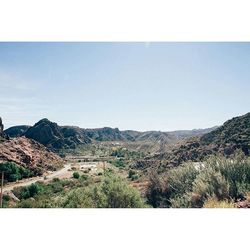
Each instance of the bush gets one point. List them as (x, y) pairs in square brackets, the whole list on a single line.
[(84, 177), (135, 177), (171, 185), (119, 163), (76, 175), (29, 191), (56, 186), (131, 173), (209, 183), (214, 203), (180, 201), (14, 172), (220, 178), (236, 172), (112, 192)]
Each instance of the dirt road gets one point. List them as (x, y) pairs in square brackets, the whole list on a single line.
[(61, 173)]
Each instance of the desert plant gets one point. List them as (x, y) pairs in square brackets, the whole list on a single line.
[(171, 185), (209, 183), (76, 175), (131, 173), (29, 191), (134, 177), (112, 192), (14, 172), (215, 203)]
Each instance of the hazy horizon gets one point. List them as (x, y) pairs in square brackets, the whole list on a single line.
[(130, 86)]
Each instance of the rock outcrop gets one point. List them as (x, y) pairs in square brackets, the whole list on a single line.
[(29, 154), (1, 127)]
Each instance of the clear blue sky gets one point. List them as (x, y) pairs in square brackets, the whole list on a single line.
[(140, 86)]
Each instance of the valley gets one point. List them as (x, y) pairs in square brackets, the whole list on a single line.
[(47, 165)]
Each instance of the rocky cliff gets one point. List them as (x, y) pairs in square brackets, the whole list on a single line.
[(1, 127), (29, 154)]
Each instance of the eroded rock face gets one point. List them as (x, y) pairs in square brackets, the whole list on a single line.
[(1, 127), (29, 154)]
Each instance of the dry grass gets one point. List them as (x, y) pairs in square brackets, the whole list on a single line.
[(214, 203)]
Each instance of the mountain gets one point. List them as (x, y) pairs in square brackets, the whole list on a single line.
[(16, 131), (235, 132), (105, 134), (58, 137), (55, 137), (27, 153), (232, 136)]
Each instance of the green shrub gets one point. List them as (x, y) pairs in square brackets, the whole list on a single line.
[(209, 183), (236, 172), (131, 173), (56, 187), (119, 163), (76, 175), (84, 177), (171, 185), (29, 191), (14, 172), (220, 178), (134, 177), (180, 201), (112, 192)]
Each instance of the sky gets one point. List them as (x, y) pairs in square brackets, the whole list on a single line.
[(140, 86)]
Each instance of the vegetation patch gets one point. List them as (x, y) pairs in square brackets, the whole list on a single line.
[(220, 179), (14, 172)]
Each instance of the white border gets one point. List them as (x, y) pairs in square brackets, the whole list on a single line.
[(127, 20), (124, 229)]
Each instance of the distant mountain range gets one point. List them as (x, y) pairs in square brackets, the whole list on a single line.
[(57, 137), (169, 149)]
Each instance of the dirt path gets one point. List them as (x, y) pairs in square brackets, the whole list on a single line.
[(26, 182), (61, 173)]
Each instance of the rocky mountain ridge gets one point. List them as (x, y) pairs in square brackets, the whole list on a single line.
[(58, 137), (233, 136), (27, 153)]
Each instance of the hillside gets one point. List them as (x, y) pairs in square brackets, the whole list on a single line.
[(58, 137), (234, 132), (29, 154), (232, 136), (105, 134)]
